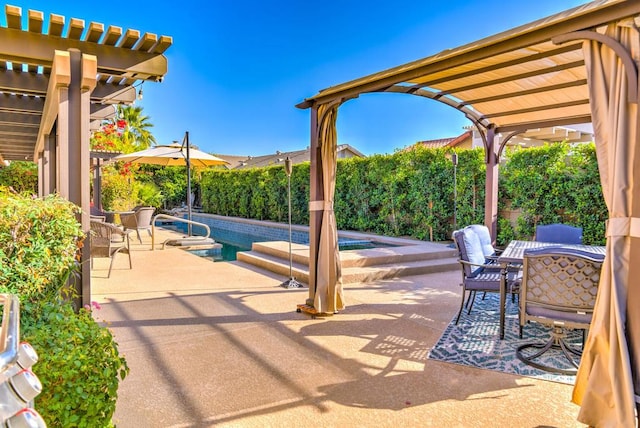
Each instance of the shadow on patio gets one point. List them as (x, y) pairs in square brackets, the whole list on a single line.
[(220, 344)]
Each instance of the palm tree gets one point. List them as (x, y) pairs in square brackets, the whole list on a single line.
[(136, 133)]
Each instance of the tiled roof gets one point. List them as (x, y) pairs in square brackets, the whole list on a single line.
[(297, 156), (444, 142)]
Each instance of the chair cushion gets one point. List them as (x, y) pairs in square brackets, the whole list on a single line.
[(559, 234), (562, 316), (485, 238), (473, 250)]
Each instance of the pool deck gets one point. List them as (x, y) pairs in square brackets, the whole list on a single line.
[(221, 344)]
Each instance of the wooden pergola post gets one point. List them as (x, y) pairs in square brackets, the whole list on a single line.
[(491, 184)]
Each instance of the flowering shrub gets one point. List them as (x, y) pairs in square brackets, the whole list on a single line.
[(108, 137), (39, 242)]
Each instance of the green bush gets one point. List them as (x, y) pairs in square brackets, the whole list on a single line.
[(506, 232), (171, 181), (149, 195), (22, 176), (118, 189), (411, 193), (79, 365), (556, 183), (39, 242)]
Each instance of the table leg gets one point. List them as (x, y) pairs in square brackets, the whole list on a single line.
[(503, 297)]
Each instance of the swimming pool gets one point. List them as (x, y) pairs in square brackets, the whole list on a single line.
[(234, 241)]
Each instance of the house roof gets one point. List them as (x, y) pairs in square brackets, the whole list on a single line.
[(445, 142), (35, 62), (296, 156), (532, 76)]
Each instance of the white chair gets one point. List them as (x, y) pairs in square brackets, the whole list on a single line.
[(477, 274)]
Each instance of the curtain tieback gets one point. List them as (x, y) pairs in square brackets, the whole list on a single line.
[(321, 205), (623, 226)]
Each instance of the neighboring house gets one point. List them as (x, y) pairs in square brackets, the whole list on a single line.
[(463, 141), (534, 137), (298, 156)]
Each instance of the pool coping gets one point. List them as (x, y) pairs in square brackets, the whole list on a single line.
[(361, 236)]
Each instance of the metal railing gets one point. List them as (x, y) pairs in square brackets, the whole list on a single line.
[(18, 384), (9, 335), (194, 239)]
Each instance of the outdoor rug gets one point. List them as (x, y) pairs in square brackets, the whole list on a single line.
[(475, 341)]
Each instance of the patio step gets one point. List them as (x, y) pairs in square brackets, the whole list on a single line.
[(357, 265)]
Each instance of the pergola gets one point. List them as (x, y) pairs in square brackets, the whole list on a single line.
[(578, 66), (59, 79)]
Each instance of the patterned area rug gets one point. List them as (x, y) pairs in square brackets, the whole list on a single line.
[(475, 342)]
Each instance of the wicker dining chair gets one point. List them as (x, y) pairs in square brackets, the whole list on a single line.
[(138, 220), (108, 240)]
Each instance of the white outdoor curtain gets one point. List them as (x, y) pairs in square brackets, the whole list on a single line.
[(328, 295), (608, 373)]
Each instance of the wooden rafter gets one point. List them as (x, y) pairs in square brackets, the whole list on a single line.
[(123, 58)]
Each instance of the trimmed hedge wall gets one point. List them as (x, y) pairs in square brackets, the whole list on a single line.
[(405, 194), (558, 183), (410, 193)]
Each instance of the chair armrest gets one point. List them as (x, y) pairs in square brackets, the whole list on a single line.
[(484, 265)]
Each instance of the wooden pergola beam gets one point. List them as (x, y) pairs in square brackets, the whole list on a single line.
[(38, 84), (34, 48)]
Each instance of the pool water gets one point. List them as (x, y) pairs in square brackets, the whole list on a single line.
[(229, 247), (232, 242)]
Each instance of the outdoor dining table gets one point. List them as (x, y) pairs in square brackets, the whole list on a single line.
[(513, 255)]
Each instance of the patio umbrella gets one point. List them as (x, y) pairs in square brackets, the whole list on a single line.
[(174, 155), (608, 380)]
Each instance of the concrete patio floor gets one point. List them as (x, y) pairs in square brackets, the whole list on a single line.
[(221, 344)]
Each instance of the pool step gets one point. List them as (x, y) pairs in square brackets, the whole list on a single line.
[(276, 264), (396, 270), (357, 265)]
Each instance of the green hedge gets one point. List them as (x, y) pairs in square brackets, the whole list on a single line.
[(557, 183), (21, 176), (405, 194), (259, 193), (39, 248), (410, 193)]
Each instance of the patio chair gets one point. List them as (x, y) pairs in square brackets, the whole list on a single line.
[(107, 240), (490, 252), (138, 220), (559, 233), (98, 213), (559, 288), (477, 274)]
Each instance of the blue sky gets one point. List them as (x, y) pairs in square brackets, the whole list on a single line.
[(238, 67)]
